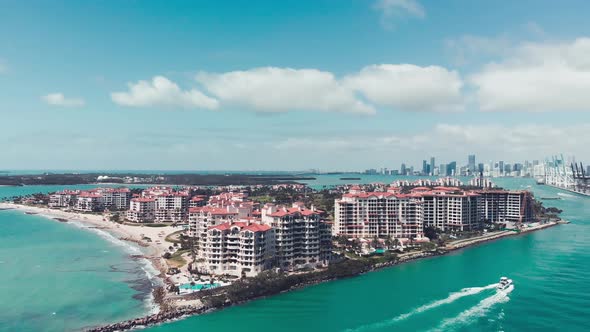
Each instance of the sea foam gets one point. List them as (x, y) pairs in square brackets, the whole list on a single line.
[(479, 310), (449, 299)]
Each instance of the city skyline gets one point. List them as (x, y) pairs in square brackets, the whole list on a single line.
[(472, 166), (309, 84)]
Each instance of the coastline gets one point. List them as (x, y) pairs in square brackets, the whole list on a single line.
[(183, 307), (131, 237), (186, 311)]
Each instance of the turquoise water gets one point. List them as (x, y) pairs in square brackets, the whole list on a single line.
[(58, 277), (550, 269)]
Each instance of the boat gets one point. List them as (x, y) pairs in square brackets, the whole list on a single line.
[(504, 283)]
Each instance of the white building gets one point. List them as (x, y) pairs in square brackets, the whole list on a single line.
[(390, 214), (201, 218), (239, 249), (450, 209), (142, 209), (63, 198), (88, 202), (300, 236), (172, 207), (501, 206)]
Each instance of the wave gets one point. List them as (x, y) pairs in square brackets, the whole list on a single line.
[(144, 264), (566, 195), (449, 299), (479, 310)]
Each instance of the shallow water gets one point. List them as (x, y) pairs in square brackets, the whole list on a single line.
[(57, 277)]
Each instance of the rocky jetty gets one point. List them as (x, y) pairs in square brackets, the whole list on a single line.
[(150, 320)]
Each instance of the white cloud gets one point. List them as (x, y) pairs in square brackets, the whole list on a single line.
[(271, 89), (161, 92), (537, 77), (409, 88), (401, 87), (396, 7), (58, 99), (393, 9)]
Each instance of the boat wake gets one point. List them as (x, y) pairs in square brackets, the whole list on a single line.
[(479, 310), (450, 299), (566, 195)]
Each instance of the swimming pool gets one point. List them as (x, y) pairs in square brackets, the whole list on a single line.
[(198, 287)]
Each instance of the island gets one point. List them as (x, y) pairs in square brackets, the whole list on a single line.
[(223, 245)]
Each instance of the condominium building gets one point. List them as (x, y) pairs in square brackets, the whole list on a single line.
[(201, 218), (88, 202), (142, 209), (114, 198), (238, 248), (197, 201), (172, 206), (299, 233), (63, 198), (378, 214), (500, 206), (103, 198), (391, 214), (450, 209)]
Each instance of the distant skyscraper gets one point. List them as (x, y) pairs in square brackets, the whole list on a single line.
[(403, 170), (501, 166), (480, 167), (432, 165), (471, 163), (452, 168), (442, 170), (424, 167)]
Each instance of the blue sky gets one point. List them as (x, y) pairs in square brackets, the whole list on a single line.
[(243, 85)]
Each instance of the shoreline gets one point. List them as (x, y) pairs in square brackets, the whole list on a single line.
[(568, 190), (127, 236), (187, 311)]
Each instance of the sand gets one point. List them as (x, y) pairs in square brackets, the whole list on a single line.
[(131, 233)]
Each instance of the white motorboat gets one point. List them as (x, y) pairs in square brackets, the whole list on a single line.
[(504, 283)]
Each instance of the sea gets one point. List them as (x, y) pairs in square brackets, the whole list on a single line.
[(60, 277)]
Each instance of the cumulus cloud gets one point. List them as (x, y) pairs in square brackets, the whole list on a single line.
[(409, 87), (161, 92), (537, 77), (394, 9), (399, 87), (58, 99), (271, 89)]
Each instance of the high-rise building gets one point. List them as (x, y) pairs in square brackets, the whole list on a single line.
[(471, 163), (403, 170), (424, 167), (480, 168), (501, 167), (451, 168), (442, 170), (432, 166)]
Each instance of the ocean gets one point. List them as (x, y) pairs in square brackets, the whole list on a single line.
[(60, 277), (450, 293)]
